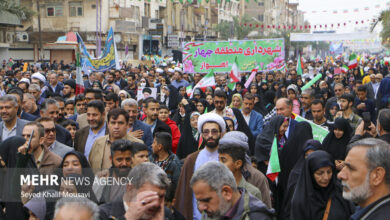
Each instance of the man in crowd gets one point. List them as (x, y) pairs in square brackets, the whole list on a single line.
[(119, 81), (50, 109), (121, 165), (144, 196), (307, 97), (178, 79), (252, 118), (90, 95), (137, 128), (69, 89), (30, 105), (112, 101), (217, 194), (50, 138), (110, 82), (86, 136), (55, 87), (346, 103), (363, 104), (339, 90), (318, 112), (69, 207), (45, 160), (220, 100), (365, 178), (35, 90), (212, 127), (151, 119), (118, 120), (91, 79), (284, 107), (10, 125)]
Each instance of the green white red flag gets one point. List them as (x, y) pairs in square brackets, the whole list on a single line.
[(273, 169), (79, 77), (300, 65), (344, 69), (207, 81), (234, 74), (189, 90), (352, 61)]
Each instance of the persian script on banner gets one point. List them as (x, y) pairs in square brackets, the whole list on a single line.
[(201, 57)]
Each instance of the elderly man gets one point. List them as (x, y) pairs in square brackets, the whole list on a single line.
[(138, 128), (217, 194), (366, 178), (212, 127), (284, 107), (83, 208), (144, 196)]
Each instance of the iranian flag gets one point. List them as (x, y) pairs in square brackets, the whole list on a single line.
[(79, 77), (234, 75), (189, 90), (299, 65), (273, 169), (344, 69), (206, 81), (352, 61)]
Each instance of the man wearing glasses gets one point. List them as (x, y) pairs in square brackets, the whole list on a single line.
[(50, 141), (212, 128)]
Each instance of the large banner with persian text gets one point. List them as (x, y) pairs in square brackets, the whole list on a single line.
[(201, 57)]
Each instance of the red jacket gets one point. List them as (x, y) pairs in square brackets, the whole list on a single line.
[(175, 134)]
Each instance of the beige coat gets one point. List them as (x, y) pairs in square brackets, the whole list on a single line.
[(99, 157)]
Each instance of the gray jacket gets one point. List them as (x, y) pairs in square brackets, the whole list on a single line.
[(60, 149), (20, 123)]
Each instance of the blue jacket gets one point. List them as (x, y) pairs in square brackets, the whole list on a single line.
[(147, 137), (27, 116), (255, 123)]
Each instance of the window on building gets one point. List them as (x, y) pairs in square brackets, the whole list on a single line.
[(75, 9), (261, 18), (157, 14), (136, 12), (260, 3), (54, 10)]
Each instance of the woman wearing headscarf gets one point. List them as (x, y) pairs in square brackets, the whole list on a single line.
[(202, 106), (269, 100), (310, 146), (335, 143), (75, 162), (276, 128), (318, 195), (259, 105), (236, 101)]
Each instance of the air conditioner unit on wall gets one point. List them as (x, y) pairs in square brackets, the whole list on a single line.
[(22, 37), (9, 37)]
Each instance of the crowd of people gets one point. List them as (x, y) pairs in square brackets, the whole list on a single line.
[(204, 155)]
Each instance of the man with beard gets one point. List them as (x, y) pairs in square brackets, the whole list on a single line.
[(11, 124), (212, 127), (121, 165), (110, 82), (252, 118), (144, 196), (69, 89), (366, 178), (50, 109), (346, 103), (85, 137), (217, 194), (151, 119)]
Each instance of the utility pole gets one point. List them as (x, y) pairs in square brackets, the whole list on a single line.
[(40, 50)]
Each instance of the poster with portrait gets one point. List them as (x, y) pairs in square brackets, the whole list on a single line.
[(145, 92)]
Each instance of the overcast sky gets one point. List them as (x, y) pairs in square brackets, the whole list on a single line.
[(340, 5)]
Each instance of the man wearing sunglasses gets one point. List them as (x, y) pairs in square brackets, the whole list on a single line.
[(50, 141)]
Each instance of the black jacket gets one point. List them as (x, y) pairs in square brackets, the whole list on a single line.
[(63, 136), (380, 209)]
